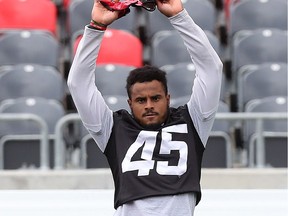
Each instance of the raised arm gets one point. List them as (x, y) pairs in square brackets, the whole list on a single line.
[(94, 113), (207, 84)]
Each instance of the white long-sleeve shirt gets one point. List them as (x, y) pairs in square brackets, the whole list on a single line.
[(98, 118)]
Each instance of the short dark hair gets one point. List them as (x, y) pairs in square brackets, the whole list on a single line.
[(146, 73)]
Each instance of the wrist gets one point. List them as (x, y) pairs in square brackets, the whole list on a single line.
[(98, 26)]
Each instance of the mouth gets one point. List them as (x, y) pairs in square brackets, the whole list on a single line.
[(150, 114)]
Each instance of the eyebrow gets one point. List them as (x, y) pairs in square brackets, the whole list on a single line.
[(144, 97)]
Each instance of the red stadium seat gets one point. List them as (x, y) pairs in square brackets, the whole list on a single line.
[(66, 3), (227, 4), (118, 47), (28, 14)]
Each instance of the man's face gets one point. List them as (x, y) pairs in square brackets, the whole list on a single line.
[(149, 103)]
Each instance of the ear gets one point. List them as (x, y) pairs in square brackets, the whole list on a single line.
[(129, 102), (168, 99)]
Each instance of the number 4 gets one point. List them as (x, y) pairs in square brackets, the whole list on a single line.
[(148, 139)]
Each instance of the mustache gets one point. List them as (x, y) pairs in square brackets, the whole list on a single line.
[(150, 112)]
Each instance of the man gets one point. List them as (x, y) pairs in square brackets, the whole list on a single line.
[(155, 154)]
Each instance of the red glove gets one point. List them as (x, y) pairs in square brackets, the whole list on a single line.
[(149, 5)]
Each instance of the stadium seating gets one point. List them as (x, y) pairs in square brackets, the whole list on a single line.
[(258, 46), (179, 101), (28, 14), (218, 152), (79, 15), (181, 74), (66, 3), (117, 102), (20, 140), (202, 12), (255, 14), (29, 47), (37, 35), (275, 131), (258, 81), (118, 47), (167, 48), (90, 154), (111, 79), (26, 80)]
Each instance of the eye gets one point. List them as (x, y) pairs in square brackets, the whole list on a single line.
[(140, 100), (156, 98)]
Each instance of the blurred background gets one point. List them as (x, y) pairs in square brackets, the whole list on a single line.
[(43, 144)]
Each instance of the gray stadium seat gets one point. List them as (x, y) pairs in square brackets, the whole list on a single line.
[(167, 48), (111, 78), (275, 131), (79, 15), (218, 152), (255, 14), (22, 148), (258, 46), (90, 154), (258, 81), (29, 47), (183, 74), (30, 80), (202, 11), (117, 102), (179, 101), (180, 79)]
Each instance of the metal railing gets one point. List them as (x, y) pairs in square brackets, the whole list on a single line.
[(259, 135), (60, 151), (43, 136)]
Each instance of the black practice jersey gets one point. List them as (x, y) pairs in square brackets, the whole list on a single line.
[(152, 162)]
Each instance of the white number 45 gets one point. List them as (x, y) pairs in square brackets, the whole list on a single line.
[(148, 139)]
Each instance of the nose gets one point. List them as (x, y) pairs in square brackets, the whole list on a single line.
[(149, 104)]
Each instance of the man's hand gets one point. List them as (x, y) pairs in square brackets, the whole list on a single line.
[(169, 7), (102, 15)]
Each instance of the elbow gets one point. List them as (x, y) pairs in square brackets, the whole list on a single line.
[(71, 82), (219, 65), (219, 69)]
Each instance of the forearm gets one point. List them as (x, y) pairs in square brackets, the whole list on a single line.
[(89, 102)]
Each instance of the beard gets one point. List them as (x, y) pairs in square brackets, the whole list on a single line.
[(151, 126)]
